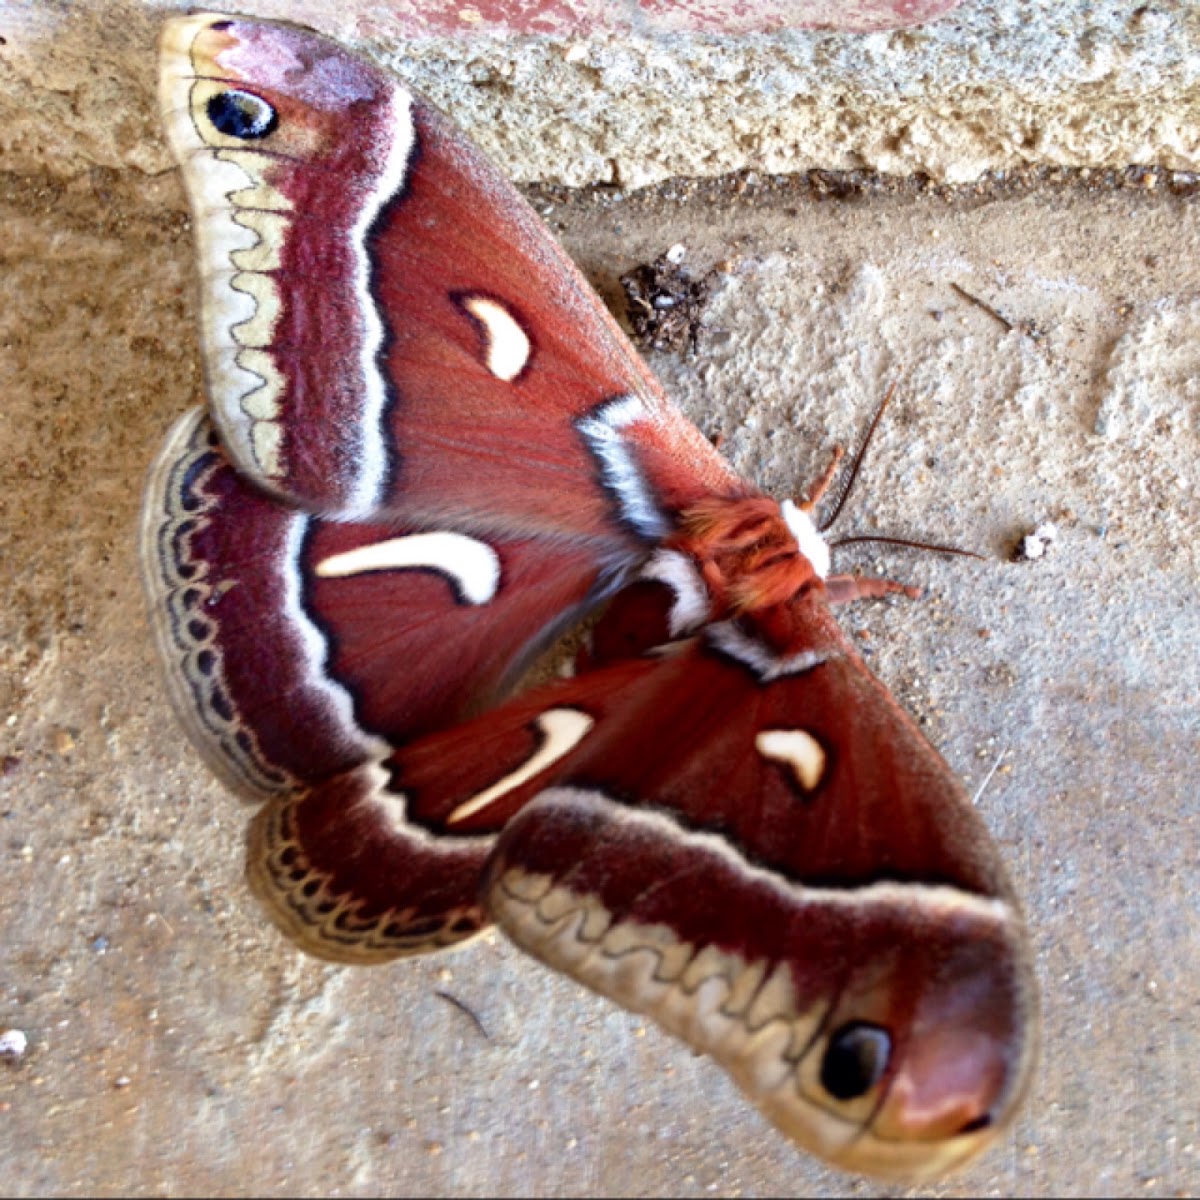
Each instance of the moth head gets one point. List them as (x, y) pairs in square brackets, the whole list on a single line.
[(924, 1055), (753, 554)]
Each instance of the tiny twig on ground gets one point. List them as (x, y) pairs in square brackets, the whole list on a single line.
[(987, 308), (988, 777), (465, 1008)]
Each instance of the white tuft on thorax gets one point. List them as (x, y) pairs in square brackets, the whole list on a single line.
[(812, 545)]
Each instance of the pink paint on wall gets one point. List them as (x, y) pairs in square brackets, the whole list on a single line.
[(768, 16), (561, 17)]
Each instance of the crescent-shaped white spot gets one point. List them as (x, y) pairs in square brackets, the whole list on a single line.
[(562, 729), (798, 750), (474, 565), (508, 345)]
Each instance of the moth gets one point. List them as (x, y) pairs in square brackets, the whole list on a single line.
[(428, 450)]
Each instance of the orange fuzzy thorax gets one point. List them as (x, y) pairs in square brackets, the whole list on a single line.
[(746, 554)]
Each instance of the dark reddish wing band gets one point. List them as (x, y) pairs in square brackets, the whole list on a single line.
[(432, 450), (368, 348)]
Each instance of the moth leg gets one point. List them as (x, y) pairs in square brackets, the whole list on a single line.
[(844, 589), (822, 485)]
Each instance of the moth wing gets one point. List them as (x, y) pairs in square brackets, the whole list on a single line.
[(296, 648), (763, 853), (388, 328)]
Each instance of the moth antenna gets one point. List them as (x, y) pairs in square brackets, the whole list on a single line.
[(936, 547), (844, 490), (465, 1008)]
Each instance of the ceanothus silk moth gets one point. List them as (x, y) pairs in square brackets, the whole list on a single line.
[(428, 452)]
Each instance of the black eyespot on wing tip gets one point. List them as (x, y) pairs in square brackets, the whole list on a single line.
[(855, 1060), (242, 115)]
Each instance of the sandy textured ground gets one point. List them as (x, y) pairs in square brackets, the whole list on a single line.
[(177, 1046)]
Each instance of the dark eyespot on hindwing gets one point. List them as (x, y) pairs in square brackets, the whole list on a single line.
[(855, 1060)]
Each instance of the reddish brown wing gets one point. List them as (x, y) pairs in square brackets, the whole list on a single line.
[(766, 855), (296, 648), (387, 325), (391, 339), (298, 651)]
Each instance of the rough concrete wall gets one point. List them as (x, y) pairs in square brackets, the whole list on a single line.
[(990, 86)]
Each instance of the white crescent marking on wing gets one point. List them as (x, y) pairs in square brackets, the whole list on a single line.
[(726, 637), (474, 565), (392, 167), (622, 473), (562, 729), (315, 645), (692, 601), (798, 750), (508, 345)]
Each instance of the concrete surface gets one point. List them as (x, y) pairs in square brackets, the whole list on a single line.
[(177, 1046), (993, 85)]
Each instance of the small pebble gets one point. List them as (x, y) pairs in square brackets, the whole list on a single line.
[(13, 1044), (1037, 544)]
